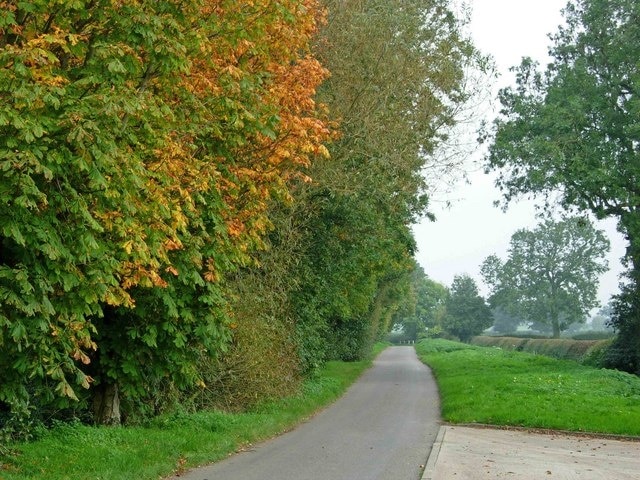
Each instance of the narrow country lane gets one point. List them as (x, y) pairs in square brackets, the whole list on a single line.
[(383, 428)]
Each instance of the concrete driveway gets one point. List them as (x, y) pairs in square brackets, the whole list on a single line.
[(462, 453)]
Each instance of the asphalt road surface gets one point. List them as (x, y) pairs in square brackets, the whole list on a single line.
[(383, 428)]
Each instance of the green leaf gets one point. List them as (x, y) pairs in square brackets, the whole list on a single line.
[(18, 332), (12, 230), (116, 66)]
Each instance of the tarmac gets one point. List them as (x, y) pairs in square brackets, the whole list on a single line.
[(462, 452)]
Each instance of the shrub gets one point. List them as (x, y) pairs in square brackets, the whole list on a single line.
[(624, 353), (567, 349), (262, 363), (439, 345), (595, 335), (596, 357)]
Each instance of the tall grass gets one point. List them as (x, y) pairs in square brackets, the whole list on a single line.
[(171, 443), (494, 386)]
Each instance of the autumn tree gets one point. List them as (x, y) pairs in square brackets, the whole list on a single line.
[(259, 128), (572, 130), (551, 273), (140, 145), (467, 313), (83, 219)]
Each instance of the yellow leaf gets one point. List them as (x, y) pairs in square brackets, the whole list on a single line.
[(128, 246)]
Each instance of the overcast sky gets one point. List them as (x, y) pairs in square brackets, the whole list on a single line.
[(472, 228)]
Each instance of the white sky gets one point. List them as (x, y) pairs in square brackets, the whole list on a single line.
[(472, 228)]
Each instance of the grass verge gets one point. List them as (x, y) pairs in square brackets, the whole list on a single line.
[(172, 443), (493, 386)]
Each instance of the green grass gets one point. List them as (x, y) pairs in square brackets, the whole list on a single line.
[(492, 386), (170, 443)]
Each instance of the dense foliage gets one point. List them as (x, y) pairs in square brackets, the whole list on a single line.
[(171, 227), (551, 273), (573, 131), (140, 144), (397, 78)]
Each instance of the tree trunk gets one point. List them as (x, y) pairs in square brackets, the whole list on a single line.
[(106, 405), (555, 323)]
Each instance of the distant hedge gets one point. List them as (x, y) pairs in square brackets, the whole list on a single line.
[(595, 335), (583, 351)]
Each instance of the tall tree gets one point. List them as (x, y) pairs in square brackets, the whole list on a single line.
[(467, 313), (574, 130), (551, 274)]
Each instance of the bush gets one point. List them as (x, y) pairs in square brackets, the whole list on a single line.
[(594, 335), (349, 340), (567, 349), (261, 365), (597, 356), (439, 345), (262, 362), (624, 353), (507, 343), (527, 334)]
